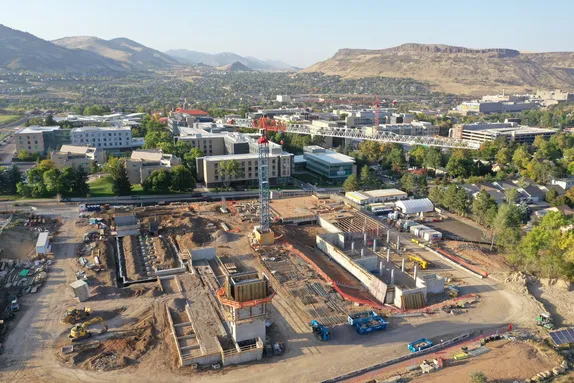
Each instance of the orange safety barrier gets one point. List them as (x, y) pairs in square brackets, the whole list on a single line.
[(239, 305), (462, 262)]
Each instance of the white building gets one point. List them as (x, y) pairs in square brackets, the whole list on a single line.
[(102, 137), (376, 196), (415, 206)]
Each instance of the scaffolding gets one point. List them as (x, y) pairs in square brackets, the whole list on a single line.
[(264, 194)]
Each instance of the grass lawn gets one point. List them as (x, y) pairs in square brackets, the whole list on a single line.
[(7, 118), (102, 187)]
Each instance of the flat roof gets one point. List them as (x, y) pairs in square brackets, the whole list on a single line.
[(383, 193), (43, 239), (247, 156), (37, 129), (100, 128), (332, 158)]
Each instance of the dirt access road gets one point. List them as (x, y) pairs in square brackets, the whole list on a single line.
[(29, 356)]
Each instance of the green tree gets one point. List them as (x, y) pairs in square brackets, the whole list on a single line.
[(230, 170), (510, 195), (408, 183), (49, 120), (158, 181), (79, 182), (12, 177), (190, 160), (503, 156), (458, 167), (370, 151), (478, 377), (436, 195), (351, 183), (367, 179), (23, 155), (433, 159), (181, 179), (112, 166), (54, 182), (121, 185), (551, 194), (507, 219), (521, 157), (483, 207)]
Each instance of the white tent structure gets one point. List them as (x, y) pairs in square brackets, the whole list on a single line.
[(415, 206)]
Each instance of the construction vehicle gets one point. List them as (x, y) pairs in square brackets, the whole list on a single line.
[(73, 315), (14, 305), (545, 320), (320, 331), (80, 331), (423, 263), (452, 291)]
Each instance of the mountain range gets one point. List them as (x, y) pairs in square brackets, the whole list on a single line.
[(81, 54), (226, 58), (456, 69)]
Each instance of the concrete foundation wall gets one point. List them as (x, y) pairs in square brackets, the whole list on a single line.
[(400, 292), (434, 284), (201, 254), (368, 263), (203, 359), (376, 287), (327, 225), (166, 272), (248, 330), (243, 357)]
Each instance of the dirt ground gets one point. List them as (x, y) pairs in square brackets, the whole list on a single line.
[(506, 362), (479, 255), (456, 228), (30, 355)]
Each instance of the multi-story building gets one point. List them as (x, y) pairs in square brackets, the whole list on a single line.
[(103, 137), (328, 163), (212, 144), (496, 106), (482, 132), (143, 162), (41, 139), (209, 168), (74, 156)]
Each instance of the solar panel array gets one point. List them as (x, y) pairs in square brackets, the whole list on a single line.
[(561, 337)]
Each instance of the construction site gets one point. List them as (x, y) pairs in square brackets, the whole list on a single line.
[(291, 280)]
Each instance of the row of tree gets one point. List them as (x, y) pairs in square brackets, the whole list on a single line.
[(45, 180)]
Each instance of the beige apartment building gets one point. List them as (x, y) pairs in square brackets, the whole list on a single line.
[(143, 162), (74, 156), (208, 168), (33, 139)]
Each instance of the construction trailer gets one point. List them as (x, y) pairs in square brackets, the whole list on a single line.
[(43, 244)]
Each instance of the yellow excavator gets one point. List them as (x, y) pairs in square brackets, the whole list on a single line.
[(74, 315), (423, 263), (80, 331)]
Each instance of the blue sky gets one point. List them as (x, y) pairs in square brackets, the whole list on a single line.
[(301, 32)]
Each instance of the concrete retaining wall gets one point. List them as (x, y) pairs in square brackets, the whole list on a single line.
[(375, 286), (327, 225), (368, 263), (201, 254), (166, 272)]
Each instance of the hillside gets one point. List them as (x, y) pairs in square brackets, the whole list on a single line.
[(235, 67), (23, 51), (130, 54), (456, 69), (227, 58)]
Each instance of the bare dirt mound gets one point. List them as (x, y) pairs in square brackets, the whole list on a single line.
[(117, 351)]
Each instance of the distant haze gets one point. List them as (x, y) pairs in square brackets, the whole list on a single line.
[(297, 32)]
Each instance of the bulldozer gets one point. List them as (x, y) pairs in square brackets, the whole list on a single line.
[(80, 331), (73, 315)]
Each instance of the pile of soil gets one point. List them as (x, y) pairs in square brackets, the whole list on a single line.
[(116, 353), (221, 236)]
